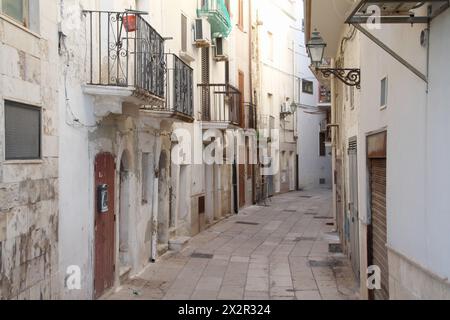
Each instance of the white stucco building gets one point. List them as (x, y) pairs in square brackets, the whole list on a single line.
[(276, 28), (132, 81), (389, 160), (313, 117)]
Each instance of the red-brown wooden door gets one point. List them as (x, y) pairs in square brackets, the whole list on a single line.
[(104, 225)]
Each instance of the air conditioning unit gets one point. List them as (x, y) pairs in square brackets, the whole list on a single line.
[(221, 49), (202, 33), (187, 37), (285, 108)]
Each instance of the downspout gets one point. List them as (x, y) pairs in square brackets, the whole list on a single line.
[(254, 108), (294, 115), (334, 144), (155, 208)]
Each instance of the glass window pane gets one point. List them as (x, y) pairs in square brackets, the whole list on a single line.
[(14, 9), (308, 86), (383, 97), (22, 131)]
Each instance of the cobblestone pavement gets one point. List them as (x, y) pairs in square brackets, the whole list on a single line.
[(275, 252)]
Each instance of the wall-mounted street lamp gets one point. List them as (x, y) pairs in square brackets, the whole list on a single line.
[(316, 48)]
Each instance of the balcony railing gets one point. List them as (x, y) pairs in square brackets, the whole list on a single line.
[(179, 86), (220, 103), (218, 16), (125, 51)]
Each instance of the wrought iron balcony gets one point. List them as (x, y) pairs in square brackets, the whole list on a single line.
[(179, 97), (218, 16), (221, 103), (125, 51)]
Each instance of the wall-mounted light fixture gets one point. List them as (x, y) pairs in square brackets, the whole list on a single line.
[(316, 48)]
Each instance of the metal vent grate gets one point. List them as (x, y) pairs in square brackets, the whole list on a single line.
[(202, 255), (247, 223), (305, 239), (330, 263)]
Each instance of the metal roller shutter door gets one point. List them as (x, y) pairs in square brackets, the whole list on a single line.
[(378, 230)]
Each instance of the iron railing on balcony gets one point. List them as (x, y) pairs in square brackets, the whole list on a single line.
[(179, 86), (217, 13), (125, 51), (220, 103)]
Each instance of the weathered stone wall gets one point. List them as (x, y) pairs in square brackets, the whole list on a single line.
[(29, 189)]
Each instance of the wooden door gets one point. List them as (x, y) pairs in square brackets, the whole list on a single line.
[(104, 223), (205, 96), (377, 233)]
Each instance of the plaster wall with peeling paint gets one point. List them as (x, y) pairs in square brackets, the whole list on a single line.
[(128, 134), (29, 215)]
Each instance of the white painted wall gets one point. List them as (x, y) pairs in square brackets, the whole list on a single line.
[(80, 142), (277, 35), (437, 170), (312, 167), (417, 161)]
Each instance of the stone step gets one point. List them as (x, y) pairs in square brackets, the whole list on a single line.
[(162, 249), (178, 243), (124, 273)]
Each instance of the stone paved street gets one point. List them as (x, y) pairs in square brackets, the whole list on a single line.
[(275, 252)]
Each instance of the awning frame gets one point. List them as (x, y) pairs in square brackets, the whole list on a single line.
[(358, 18)]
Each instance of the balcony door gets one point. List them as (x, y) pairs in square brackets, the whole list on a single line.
[(205, 90)]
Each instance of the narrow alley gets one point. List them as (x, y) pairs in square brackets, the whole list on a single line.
[(276, 252)]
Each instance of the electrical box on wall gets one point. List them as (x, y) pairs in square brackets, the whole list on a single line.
[(102, 198)]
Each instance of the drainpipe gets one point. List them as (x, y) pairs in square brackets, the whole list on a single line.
[(155, 203), (254, 107), (334, 144)]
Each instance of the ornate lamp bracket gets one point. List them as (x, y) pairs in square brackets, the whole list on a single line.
[(351, 77)]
